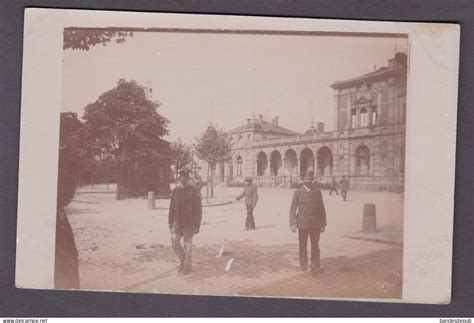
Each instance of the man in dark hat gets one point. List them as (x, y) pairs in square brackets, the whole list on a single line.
[(333, 186), (307, 214), (251, 197), (184, 220)]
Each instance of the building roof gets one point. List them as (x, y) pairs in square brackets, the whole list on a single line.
[(263, 126), (396, 65)]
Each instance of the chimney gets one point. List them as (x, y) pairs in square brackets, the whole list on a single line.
[(392, 63), (275, 123), (248, 121), (260, 118), (320, 127)]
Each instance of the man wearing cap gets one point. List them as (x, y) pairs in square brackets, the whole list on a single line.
[(251, 197), (307, 214), (184, 220)]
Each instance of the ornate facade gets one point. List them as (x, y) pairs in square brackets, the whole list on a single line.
[(367, 145)]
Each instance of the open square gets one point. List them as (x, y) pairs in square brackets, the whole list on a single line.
[(123, 245)]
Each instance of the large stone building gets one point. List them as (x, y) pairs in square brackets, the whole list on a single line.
[(367, 144)]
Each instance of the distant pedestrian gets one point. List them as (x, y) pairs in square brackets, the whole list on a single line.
[(333, 186), (184, 220), (307, 214), (251, 197), (344, 185)]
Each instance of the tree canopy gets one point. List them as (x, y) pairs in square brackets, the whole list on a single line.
[(72, 152), (71, 141), (125, 124), (213, 146), (181, 155), (85, 38)]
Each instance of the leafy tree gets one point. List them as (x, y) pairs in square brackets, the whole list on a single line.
[(213, 146), (72, 152), (123, 124), (85, 38), (181, 155)]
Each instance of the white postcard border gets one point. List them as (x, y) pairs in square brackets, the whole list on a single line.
[(431, 134)]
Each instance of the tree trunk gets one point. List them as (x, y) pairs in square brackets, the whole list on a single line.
[(123, 182), (118, 191), (212, 183), (207, 186)]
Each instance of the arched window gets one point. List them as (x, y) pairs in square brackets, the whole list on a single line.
[(262, 164), (374, 118), (362, 160), (324, 157), (275, 163), (239, 166), (353, 118), (364, 117), (306, 160), (291, 162)]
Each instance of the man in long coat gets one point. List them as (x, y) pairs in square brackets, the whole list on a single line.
[(344, 184), (333, 186), (307, 214), (251, 197), (184, 221)]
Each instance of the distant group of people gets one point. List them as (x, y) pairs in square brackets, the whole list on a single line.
[(307, 216), (343, 185)]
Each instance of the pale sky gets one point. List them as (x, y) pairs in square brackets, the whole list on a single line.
[(192, 72)]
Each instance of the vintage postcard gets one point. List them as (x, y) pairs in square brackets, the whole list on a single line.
[(237, 156)]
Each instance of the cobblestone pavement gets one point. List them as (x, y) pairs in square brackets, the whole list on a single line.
[(376, 275), (125, 247)]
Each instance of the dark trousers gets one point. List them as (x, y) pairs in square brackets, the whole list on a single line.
[(303, 242), (250, 220), (344, 194), (333, 189), (185, 251)]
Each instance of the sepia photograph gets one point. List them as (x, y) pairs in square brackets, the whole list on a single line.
[(238, 162), (232, 163)]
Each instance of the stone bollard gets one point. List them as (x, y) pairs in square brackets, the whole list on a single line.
[(369, 219), (151, 200)]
